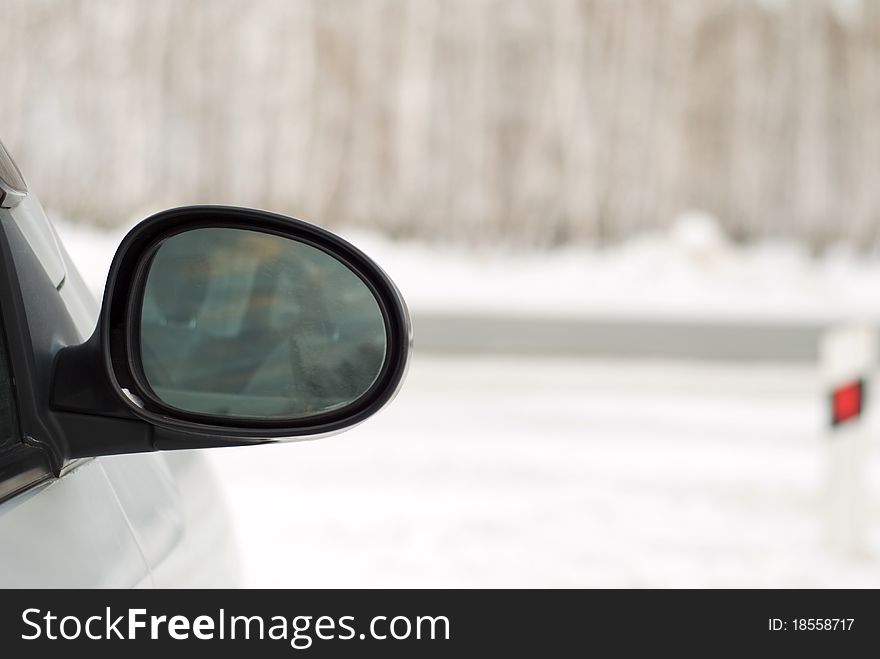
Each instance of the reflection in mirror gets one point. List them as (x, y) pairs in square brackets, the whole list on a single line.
[(248, 324)]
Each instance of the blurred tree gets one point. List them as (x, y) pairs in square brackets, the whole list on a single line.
[(529, 122)]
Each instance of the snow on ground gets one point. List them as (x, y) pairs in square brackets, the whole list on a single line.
[(555, 473), (690, 272)]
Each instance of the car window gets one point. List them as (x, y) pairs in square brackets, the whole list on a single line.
[(8, 420)]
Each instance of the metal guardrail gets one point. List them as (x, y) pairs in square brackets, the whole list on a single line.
[(617, 337)]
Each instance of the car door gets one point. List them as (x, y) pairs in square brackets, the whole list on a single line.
[(70, 532)]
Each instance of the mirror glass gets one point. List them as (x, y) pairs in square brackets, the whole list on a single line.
[(247, 324)]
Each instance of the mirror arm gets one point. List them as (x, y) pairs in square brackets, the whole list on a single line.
[(91, 435), (94, 421), (80, 384)]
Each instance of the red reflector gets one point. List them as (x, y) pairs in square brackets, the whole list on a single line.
[(847, 402)]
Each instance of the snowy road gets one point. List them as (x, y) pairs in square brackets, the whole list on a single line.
[(554, 472)]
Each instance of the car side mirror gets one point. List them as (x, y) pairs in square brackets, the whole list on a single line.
[(228, 326)]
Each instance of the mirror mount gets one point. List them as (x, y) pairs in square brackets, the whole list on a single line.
[(98, 390)]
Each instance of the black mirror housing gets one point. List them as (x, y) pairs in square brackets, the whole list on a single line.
[(99, 393)]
